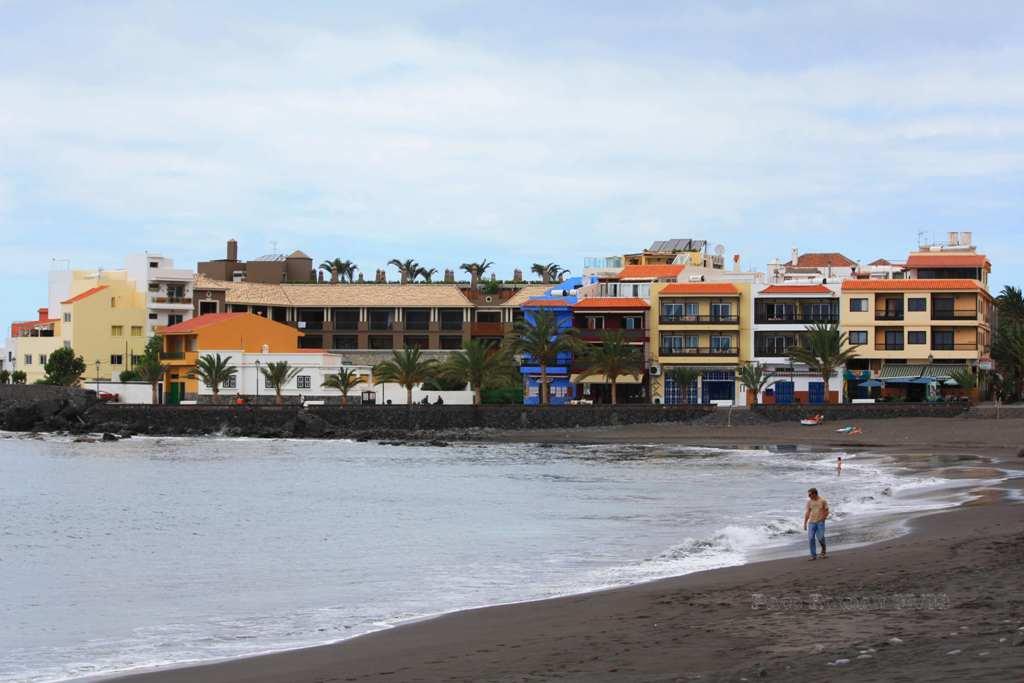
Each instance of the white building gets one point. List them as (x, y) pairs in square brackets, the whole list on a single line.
[(168, 289), (781, 314)]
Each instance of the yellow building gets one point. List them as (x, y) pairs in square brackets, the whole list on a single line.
[(701, 325), (105, 324), (911, 322), (33, 342)]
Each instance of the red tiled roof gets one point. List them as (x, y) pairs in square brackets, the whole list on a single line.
[(948, 261), (83, 295), (651, 272), (796, 289), (610, 302), (822, 260), (880, 262), (203, 321), (702, 288), (914, 285), (545, 303)]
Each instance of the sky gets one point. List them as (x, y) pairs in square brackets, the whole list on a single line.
[(522, 132)]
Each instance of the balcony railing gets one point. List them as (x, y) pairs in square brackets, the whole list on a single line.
[(796, 318), (417, 325), (961, 314), (940, 346), (185, 300), (771, 351), (452, 325), (487, 329), (698, 319), (699, 351), (346, 324), (891, 346), (172, 355), (381, 325), (587, 334), (888, 315)]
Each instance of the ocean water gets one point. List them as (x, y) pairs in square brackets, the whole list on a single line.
[(148, 551)]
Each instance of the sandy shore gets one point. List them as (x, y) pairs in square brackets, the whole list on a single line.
[(943, 603)]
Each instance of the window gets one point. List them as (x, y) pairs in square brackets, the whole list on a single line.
[(28, 359), (67, 345), (136, 359), (633, 322), (917, 304), (154, 287), (917, 337), (136, 330), (672, 310), (818, 312), (154, 264), (692, 310), (174, 319), (720, 343), (894, 340), (113, 302), (42, 359), (116, 331), (116, 359), (859, 337), (780, 311), (207, 307), (595, 322), (303, 382), (153, 316), (67, 317), (721, 311), (943, 340), (266, 383), (858, 305), (230, 382)]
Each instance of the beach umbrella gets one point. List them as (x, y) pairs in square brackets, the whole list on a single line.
[(873, 383)]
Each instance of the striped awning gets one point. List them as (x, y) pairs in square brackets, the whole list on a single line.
[(601, 379), (934, 371)]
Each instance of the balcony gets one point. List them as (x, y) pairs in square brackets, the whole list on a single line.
[(381, 325), (699, 319), (350, 325), (771, 351), (487, 329), (452, 325), (699, 351), (635, 335), (417, 325), (958, 314), (171, 301), (890, 346), (170, 275), (889, 315), (941, 346), (187, 357), (795, 319)]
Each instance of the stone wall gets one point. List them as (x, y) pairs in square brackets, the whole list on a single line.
[(25, 407), (859, 411), (369, 421)]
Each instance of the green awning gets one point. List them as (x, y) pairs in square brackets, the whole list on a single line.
[(894, 370)]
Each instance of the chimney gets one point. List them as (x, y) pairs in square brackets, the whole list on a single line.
[(735, 263), (954, 238), (795, 255), (517, 275), (361, 280), (44, 314), (965, 239), (474, 277), (232, 250), (449, 276)]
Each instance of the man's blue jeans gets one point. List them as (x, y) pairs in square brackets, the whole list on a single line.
[(815, 534)]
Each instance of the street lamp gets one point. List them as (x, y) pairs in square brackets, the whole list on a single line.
[(97, 374), (257, 380)]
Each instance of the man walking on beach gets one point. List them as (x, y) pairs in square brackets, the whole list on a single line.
[(816, 513)]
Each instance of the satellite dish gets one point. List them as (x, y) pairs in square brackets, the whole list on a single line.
[(719, 250)]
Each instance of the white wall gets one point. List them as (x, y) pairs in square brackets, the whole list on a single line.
[(127, 392), (397, 395), (249, 381)]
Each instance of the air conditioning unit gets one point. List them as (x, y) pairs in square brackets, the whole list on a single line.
[(655, 370)]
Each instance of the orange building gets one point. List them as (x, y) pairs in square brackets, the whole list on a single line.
[(218, 333)]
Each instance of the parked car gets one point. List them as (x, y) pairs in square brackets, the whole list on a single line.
[(107, 397)]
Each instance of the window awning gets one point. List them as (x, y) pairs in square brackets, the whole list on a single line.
[(577, 378), (935, 371)]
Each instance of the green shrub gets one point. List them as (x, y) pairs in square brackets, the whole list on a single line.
[(502, 395)]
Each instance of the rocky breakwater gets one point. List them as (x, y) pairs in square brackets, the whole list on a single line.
[(35, 407)]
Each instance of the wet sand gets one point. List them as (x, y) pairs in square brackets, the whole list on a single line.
[(943, 603)]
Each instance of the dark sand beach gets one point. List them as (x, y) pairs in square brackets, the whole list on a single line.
[(943, 603)]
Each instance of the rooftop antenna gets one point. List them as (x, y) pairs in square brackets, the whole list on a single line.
[(921, 236), (273, 246)]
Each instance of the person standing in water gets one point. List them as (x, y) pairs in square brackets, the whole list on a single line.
[(815, 514), (839, 465)]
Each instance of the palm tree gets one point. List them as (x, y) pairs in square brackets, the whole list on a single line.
[(347, 270), (683, 376), (427, 273), (549, 272), (278, 374), (344, 380), (214, 370), (408, 269), (479, 364), (756, 378), (613, 357), (825, 350), (1011, 304), (150, 370), (476, 270), (542, 340), (334, 267), (407, 369)]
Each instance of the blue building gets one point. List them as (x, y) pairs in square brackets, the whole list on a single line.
[(559, 301)]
